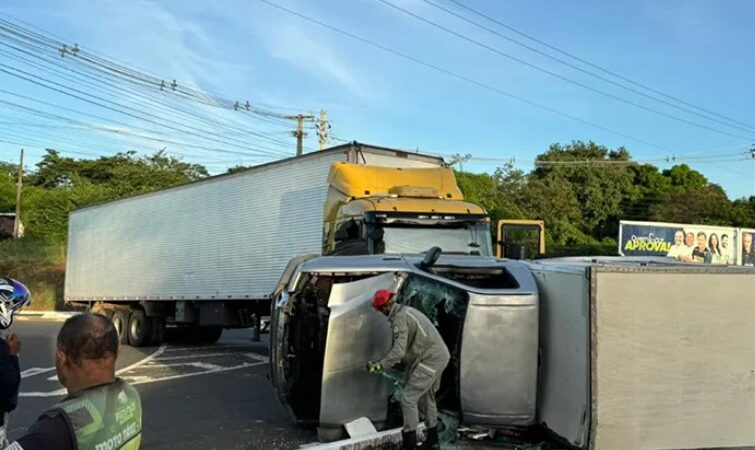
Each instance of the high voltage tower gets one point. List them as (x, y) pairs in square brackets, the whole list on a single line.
[(109, 101)]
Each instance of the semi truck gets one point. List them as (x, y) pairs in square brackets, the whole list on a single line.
[(206, 255)]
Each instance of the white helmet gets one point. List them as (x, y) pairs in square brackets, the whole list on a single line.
[(13, 296)]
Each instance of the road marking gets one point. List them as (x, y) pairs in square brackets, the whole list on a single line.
[(149, 358), (63, 391), (141, 362), (155, 362), (187, 375), (199, 365), (35, 371), (201, 355), (209, 347), (258, 357), (55, 393)]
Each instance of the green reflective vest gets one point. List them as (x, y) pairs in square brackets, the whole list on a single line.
[(107, 417)]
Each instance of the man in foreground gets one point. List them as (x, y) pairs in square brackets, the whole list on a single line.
[(418, 345), (100, 411)]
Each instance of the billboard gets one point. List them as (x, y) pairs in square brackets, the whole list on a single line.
[(702, 244), (746, 255)]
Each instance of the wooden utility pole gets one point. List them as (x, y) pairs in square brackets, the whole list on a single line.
[(300, 135), (19, 187)]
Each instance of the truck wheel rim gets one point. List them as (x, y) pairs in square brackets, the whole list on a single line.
[(136, 329), (117, 325)]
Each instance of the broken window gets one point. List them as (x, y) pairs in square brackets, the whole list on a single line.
[(446, 307)]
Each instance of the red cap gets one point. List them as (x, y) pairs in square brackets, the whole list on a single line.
[(381, 297)]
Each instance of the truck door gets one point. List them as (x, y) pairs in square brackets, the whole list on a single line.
[(520, 239)]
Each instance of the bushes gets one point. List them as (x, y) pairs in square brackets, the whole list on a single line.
[(38, 264)]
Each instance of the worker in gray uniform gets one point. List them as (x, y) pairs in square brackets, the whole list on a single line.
[(418, 345)]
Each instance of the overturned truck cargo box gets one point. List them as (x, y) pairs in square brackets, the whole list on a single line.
[(646, 355)]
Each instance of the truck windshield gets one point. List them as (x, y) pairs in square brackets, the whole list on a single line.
[(469, 239)]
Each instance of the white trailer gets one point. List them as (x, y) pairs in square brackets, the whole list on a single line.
[(642, 355), (206, 255)]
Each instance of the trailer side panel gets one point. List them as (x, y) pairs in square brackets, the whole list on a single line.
[(223, 238)]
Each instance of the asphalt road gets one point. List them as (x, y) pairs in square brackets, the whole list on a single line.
[(204, 397)]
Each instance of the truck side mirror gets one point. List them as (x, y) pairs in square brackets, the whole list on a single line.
[(515, 251)]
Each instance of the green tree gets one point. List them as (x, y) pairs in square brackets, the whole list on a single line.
[(598, 178)]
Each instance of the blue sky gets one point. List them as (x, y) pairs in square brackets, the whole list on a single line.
[(702, 52)]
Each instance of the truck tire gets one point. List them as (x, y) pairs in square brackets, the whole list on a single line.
[(120, 322), (158, 331), (208, 335), (140, 329)]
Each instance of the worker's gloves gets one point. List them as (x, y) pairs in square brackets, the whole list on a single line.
[(374, 367)]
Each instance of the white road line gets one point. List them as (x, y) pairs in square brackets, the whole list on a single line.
[(35, 371), (258, 357), (209, 347), (187, 375), (56, 393), (143, 361), (154, 362), (197, 356), (149, 358), (199, 365)]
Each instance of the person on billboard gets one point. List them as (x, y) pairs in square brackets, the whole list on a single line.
[(728, 252), (701, 254), (679, 250), (748, 258), (685, 254), (715, 250)]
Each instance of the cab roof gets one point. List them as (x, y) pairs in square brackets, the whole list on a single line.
[(358, 181)]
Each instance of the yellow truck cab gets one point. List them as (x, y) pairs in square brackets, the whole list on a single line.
[(372, 209)]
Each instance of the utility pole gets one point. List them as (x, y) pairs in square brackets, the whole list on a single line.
[(299, 134), (19, 187), (322, 129)]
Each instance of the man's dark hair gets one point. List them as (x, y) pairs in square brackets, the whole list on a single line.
[(702, 233), (88, 336)]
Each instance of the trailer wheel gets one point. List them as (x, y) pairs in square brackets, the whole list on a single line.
[(120, 322), (158, 331), (208, 335), (139, 329)]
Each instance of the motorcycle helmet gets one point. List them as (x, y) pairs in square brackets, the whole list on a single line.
[(13, 296)]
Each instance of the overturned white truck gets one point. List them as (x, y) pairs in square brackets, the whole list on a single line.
[(608, 353)]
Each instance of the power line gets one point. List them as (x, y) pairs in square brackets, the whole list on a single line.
[(458, 76), (113, 130), (112, 67), (164, 107), (593, 65), (43, 44), (561, 77), (103, 103)]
